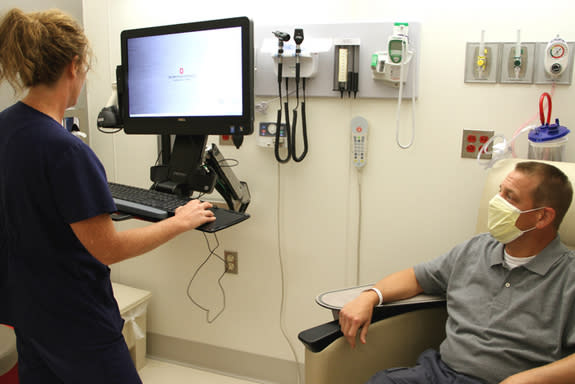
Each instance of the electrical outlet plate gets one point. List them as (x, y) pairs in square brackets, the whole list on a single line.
[(226, 140), (472, 142), (491, 72), (231, 259), (525, 75)]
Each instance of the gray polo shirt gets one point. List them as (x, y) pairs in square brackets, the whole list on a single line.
[(503, 321)]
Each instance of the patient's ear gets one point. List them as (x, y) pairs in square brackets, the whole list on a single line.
[(546, 218)]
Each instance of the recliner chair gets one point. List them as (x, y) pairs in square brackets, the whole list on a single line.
[(401, 331)]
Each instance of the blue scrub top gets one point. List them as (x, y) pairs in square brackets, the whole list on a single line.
[(51, 287)]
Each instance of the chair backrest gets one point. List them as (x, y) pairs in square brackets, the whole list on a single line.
[(8, 352), (497, 174)]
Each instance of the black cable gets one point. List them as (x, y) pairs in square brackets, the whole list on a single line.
[(286, 130), (298, 38), (282, 37), (110, 132), (224, 163), (296, 158), (212, 252)]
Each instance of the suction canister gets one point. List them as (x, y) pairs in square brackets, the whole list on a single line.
[(547, 141)]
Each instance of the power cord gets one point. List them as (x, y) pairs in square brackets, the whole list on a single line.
[(283, 279), (212, 253), (359, 230)]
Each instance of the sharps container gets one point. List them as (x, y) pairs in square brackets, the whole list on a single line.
[(547, 142)]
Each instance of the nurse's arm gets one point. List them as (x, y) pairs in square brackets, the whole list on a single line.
[(100, 237)]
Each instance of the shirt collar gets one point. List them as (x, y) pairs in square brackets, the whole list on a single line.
[(542, 262)]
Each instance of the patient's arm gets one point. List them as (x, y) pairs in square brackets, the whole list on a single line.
[(558, 372), (357, 313)]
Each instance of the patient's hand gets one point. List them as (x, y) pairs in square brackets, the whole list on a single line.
[(357, 314)]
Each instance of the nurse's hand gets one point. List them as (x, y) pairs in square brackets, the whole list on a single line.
[(195, 213), (356, 315)]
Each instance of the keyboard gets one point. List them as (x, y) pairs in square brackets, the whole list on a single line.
[(154, 205)]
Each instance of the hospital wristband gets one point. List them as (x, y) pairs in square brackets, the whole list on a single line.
[(379, 295)]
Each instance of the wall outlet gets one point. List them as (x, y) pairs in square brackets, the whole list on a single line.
[(231, 258), (226, 140), (473, 141)]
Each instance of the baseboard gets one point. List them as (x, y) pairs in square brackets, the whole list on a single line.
[(226, 361)]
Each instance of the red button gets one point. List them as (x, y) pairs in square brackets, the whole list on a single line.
[(358, 129), (470, 148), (471, 138)]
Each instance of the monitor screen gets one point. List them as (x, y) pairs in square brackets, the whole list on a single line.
[(188, 79)]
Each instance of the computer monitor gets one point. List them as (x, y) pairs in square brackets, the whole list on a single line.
[(188, 79)]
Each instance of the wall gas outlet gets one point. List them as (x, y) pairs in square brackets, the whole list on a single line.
[(473, 141), (231, 258), (482, 67), (518, 69)]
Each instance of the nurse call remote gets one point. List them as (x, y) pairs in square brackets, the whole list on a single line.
[(359, 141)]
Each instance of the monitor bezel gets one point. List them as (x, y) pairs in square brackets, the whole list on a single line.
[(192, 125)]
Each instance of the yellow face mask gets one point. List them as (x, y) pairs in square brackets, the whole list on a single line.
[(501, 218)]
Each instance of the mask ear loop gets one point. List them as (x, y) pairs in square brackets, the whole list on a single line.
[(545, 214)]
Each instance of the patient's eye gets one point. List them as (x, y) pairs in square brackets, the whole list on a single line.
[(508, 195)]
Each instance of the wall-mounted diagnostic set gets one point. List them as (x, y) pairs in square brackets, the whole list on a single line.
[(335, 59), (290, 126)]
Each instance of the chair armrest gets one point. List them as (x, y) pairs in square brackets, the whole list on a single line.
[(395, 340), (319, 337)]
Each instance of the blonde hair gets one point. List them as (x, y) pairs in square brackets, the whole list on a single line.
[(36, 47)]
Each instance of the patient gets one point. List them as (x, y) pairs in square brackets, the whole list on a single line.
[(510, 293)]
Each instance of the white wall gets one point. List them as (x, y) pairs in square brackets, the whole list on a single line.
[(417, 202)]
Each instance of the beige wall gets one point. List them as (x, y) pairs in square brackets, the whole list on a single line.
[(417, 202)]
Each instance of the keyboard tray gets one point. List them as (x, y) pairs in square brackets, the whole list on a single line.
[(149, 205)]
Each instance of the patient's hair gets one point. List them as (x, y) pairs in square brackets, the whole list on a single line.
[(554, 190), (36, 47)]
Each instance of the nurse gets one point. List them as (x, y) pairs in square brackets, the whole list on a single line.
[(56, 236)]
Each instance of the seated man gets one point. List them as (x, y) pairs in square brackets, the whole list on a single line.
[(510, 293)]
